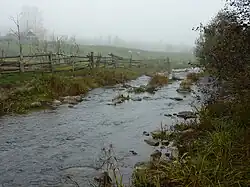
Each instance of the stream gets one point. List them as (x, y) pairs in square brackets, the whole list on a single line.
[(42, 148)]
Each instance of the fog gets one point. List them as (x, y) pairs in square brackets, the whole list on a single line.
[(169, 21)]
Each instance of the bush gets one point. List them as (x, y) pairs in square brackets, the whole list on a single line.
[(158, 80), (216, 152), (194, 77), (186, 84)]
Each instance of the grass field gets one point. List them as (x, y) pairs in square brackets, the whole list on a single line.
[(13, 49)]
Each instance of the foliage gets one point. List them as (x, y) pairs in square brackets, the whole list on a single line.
[(194, 77), (158, 80), (216, 151), (186, 84), (223, 47)]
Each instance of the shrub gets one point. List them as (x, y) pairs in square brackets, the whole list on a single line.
[(194, 77), (158, 80)]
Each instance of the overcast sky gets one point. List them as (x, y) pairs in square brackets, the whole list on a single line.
[(149, 20)]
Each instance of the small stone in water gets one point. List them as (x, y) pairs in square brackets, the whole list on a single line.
[(145, 133), (168, 115), (71, 106), (152, 142), (176, 98), (186, 114), (36, 104), (133, 152)]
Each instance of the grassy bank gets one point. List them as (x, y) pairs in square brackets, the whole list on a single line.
[(19, 91), (213, 151)]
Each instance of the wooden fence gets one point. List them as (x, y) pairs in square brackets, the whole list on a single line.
[(52, 62)]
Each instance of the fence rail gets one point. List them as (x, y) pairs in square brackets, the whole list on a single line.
[(54, 62)]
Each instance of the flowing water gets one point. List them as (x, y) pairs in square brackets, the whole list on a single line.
[(42, 148)]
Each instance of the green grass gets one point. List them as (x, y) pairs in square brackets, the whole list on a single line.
[(176, 57), (215, 153), (18, 91), (21, 90)]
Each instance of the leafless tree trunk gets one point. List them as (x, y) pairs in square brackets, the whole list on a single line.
[(18, 35)]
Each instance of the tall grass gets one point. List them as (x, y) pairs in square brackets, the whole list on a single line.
[(215, 153), (18, 91), (158, 80)]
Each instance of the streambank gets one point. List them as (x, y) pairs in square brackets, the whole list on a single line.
[(34, 91), (44, 147)]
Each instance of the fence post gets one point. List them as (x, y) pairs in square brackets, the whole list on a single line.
[(91, 60), (98, 61), (73, 66), (51, 62), (169, 66), (130, 61), (2, 59), (105, 61), (112, 60), (2, 52)]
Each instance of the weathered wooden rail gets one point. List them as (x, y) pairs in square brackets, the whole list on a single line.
[(51, 62)]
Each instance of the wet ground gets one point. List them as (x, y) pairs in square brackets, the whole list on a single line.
[(42, 148)]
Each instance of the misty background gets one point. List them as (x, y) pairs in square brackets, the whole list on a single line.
[(157, 25)]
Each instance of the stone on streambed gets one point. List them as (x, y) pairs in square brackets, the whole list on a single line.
[(133, 152), (152, 142), (156, 155), (36, 104), (186, 115), (71, 106), (113, 104), (145, 133), (72, 99), (184, 90), (146, 98), (176, 98), (168, 115), (136, 99), (120, 99), (56, 102)]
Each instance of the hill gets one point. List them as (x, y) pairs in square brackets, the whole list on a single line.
[(12, 48)]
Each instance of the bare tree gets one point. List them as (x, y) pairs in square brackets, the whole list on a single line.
[(17, 33), (32, 19)]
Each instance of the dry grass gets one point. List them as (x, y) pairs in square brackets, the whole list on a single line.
[(158, 80), (21, 90), (194, 77)]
